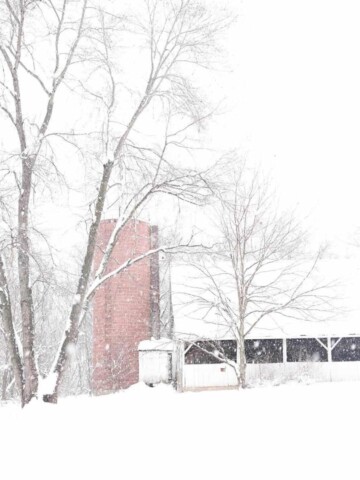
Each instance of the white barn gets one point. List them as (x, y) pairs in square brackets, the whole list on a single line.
[(277, 350)]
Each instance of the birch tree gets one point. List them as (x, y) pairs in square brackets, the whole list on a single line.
[(51, 46)]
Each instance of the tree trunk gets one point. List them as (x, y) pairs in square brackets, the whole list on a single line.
[(242, 356), (79, 307), (10, 336), (26, 301)]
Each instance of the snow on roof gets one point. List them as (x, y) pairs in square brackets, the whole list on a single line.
[(161, 344), (193, 319), (189, 337)]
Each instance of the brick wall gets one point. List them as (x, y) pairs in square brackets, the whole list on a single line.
[(123, 307)]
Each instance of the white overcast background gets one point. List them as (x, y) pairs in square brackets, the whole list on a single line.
[(289, 81), (295, 105)]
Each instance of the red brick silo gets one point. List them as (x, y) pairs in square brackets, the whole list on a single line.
[(125, 308)]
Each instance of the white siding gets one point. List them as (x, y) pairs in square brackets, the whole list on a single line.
[(213, 375)]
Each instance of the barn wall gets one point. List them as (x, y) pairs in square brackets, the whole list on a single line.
[(222, 375), (303, 371), (276, 363)]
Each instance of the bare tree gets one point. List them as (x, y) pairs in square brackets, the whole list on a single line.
[(177, 37), (260, 269), (17, 56)]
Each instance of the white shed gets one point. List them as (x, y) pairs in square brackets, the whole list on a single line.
[(156, 361)]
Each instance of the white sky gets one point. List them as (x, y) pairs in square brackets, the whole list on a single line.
[(293, 89), (295, 97)]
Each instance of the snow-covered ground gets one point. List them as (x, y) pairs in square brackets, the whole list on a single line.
[(295, 431)]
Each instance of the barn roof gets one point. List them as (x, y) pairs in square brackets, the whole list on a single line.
[(194, 319)]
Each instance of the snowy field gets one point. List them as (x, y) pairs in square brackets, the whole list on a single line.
[(288, 432)]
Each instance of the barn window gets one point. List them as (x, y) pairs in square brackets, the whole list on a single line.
[(306, 350), (345, 349), (264, 351), (210, 352)]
